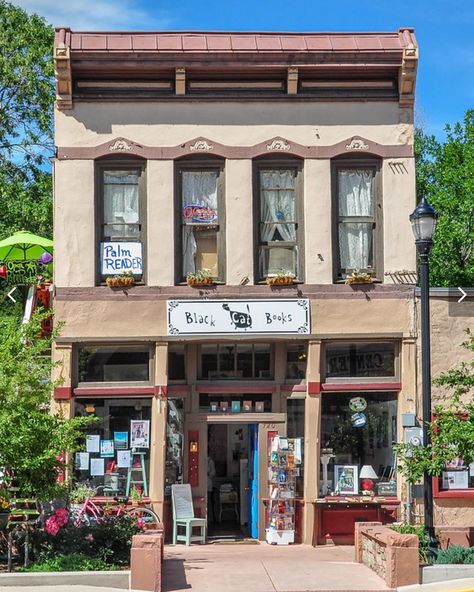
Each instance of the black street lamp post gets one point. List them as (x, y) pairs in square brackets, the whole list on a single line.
[(423, 221)]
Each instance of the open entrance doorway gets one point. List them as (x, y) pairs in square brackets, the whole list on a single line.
[(232, 481)]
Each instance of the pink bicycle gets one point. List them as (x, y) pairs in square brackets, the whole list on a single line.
[(93, 513)]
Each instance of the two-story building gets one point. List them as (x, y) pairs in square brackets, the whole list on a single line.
[(256, 156)]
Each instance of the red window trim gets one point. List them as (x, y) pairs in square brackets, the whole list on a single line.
[(131, 391), (451, 493), (354, 386)]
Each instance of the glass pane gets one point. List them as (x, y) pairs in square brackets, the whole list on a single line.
[(199, 250), (295, 419), (174, 444), (112, 364), (115, 427), (296, 358), (274, 260), (356, 245), (356, 192), (199, 198), (359, 438), (244, 361), (262, 360), (277, 205), (360, 360), (208, 361), (121, 204), (226, 360), (176, 362)]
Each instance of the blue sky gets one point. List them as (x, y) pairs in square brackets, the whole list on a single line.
[(444, 29)]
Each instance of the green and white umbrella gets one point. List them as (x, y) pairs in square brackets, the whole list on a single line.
[(24, 246)]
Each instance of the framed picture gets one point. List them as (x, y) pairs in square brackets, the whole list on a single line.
[(346, 479)]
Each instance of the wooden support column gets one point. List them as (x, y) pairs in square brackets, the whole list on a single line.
[(180, 81), (311, 439)]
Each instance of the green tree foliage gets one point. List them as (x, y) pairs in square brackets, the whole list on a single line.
[(26, 121), (32, 436), (445, 175), (452, 429)]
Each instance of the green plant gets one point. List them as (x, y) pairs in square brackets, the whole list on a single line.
[(420, 532), (359, 277), (80, 492), (455, 554), (110, 541), (452, 429), (71, 562), (136, 495)]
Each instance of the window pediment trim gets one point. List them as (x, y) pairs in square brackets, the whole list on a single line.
[(358, 145)]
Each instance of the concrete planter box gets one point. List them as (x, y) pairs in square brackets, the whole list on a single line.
[(439, 573), (107, 579)]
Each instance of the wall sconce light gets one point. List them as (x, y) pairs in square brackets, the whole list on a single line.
[(193, 447), (89, 408)]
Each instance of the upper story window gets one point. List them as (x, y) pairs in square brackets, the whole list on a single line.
[(231, 360), (296, 360), (122, 216), (202, 221), (114, 363), (359, 224), (278, 234), (176, 361)]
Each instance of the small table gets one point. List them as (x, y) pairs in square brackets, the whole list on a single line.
[(335, 516)]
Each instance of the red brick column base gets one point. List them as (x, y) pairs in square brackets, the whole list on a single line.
[(146, 561)]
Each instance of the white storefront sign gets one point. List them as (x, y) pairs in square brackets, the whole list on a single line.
[(117, 257), (233, 317)]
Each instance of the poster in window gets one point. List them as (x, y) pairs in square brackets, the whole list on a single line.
[(92, 443), (123, 459), (107, 448), (120, 440), (455, 479), (97, 467), (82, 461), (140, 433), (346, 479)]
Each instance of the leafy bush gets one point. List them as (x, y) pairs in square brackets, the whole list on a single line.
[(423, 539), (109, 541), (456, 554), (70, 562)]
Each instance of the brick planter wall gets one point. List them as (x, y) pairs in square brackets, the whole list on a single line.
[(146, 560), (392, 556)]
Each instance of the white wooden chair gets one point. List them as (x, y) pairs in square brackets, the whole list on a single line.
[(183, 516)]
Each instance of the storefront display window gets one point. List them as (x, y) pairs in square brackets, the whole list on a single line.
[(357, 430), (174, 444), (117, 454), (360, 360), (295, 423), (114, 364), (230, 360), (296, 359), (176, 362)]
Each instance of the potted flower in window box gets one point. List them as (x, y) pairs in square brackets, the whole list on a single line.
[(282, 277), (359, 277), (126, 279), (203, 277)]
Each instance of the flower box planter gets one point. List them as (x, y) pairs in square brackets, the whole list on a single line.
[(196, 283), (280, 281), (119, 282)]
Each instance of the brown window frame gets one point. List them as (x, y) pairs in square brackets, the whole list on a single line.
[(279, 164), (361, 379), (197, 166), (125, 347), (118, 165), (377, 223)]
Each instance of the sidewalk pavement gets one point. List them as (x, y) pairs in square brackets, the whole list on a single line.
[(266, 568)]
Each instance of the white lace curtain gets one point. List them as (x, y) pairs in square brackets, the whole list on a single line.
[(121, 203), (199, 189), (278, 206), (355, 201)]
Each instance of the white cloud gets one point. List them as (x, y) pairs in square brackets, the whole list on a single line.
[(95, 15)]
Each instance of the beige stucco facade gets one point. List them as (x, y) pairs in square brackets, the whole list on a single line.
[(160, 134)]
